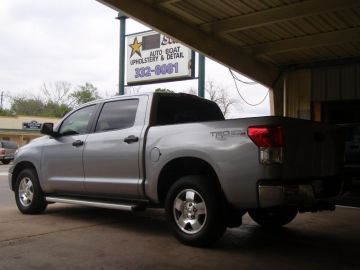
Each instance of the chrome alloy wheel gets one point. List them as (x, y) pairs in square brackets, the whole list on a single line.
[(26, 191), (189, 211)]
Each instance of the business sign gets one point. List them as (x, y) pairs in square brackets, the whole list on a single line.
[(153, 57), (33, 125)]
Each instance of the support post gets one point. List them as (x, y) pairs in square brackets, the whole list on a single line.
[(122, 18), (277, 97), (201, 75)]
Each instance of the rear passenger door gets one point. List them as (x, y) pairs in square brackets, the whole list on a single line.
[(111, 155)]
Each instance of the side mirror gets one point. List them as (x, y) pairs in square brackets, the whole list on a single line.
[(48, 129)]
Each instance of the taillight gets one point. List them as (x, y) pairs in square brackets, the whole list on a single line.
[(2, 151), (266, 136), (269, 139)]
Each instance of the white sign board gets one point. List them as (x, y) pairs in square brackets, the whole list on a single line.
[(154, 57)]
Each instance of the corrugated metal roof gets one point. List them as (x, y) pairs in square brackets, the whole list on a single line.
[(276, 32), (208, 12)]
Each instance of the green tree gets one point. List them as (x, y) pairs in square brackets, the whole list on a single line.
[(5, 112), (57, 99), (37, 107), (52, 109), (84, 93), (27, 106)]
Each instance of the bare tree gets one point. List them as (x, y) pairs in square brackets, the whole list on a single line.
[(192, 91), (219, 95), (132, 89), (57, 97), (57, 92)]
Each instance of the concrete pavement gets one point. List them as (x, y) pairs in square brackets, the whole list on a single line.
[(6, 197), (72, 237)]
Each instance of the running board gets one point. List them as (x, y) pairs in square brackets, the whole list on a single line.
[(125, 207)]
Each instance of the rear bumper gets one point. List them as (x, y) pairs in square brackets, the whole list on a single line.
[(300, 194)]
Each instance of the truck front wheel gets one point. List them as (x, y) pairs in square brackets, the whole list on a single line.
[(273, 217), (194, 210), (28, 194)]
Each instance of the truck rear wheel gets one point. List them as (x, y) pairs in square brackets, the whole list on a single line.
[(28, 194), (194, 210), (273, 217)]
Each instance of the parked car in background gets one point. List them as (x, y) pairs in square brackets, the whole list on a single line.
[(7, 151)]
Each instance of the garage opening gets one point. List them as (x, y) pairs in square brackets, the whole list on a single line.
[(346, 115)]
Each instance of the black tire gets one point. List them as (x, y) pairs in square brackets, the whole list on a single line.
[(207, 227), (27, 183), (5, 162), (273, 217)]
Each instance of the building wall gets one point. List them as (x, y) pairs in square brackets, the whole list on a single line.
[(297, 91), (15, 122), (301, 93), (11, 128), (334, 83)]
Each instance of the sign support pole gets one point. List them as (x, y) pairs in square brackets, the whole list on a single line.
[(122, 18), (201, 75)]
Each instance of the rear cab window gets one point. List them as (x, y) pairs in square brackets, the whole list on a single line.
[(178, 109)]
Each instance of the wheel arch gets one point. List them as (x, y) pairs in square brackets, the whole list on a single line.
[(20, 167), (182, 166)]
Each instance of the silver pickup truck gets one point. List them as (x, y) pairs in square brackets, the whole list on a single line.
[(176, 151)]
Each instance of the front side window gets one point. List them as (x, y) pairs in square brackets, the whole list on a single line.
[(77, 123), (117, 115)]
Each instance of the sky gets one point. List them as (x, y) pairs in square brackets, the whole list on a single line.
[(44, 41)]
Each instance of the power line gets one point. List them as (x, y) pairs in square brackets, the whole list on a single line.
[(244, 82), (248, 83)]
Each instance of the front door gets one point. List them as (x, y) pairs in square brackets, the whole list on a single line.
[(61, 163)]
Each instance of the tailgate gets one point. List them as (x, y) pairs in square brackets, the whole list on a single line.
[(311, 149)]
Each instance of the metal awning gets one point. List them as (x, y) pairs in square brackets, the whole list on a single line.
[(258, 38)]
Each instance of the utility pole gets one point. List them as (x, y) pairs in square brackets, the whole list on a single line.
[(2, 98), (122, 18)]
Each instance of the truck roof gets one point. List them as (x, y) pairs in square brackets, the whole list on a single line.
[(150, 94)]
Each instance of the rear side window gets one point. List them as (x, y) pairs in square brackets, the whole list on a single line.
[(117, 115)]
